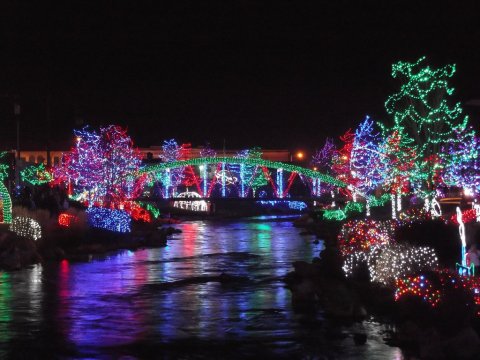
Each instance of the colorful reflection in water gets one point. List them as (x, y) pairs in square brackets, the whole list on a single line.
[(115, 306), (5, 310)]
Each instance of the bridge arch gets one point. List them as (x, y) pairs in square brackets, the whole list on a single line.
[(245, 161), (237, 176)]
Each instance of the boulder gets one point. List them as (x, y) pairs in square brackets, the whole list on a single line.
[(359, 338), (409, 333), (156, 238), (431, 345), (304, 269), (464, 345), (338, 300), (17, 252), (303, 294), (52, 253)]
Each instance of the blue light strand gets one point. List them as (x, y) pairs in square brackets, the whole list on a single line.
[(293, 205), (109, 219), (280, 183), (223, 180)]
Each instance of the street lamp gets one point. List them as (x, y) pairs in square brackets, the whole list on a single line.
[(17, 111)]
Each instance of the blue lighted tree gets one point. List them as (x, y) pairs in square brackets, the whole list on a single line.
[(462, 162), (366, 159), (171, 152), (322, 161)]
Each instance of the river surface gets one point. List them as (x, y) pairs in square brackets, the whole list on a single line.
[(118, 306)]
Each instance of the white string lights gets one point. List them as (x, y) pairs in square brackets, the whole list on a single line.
[(26, 227)]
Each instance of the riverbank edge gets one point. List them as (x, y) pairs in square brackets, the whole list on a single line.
[(418, 330), (76, 244)]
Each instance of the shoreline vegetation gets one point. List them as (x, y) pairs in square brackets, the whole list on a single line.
[(77, 242), (451, 330)]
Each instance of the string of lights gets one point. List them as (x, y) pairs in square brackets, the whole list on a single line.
[(109, 219), (26, 227)]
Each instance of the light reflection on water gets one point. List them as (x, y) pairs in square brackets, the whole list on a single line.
[(113, 306)]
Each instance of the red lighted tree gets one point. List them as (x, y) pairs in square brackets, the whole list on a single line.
[(102, 167)]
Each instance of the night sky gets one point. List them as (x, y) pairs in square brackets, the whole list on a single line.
[(279, 74)]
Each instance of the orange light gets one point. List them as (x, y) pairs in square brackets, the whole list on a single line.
[(300, 155), (315, 168)]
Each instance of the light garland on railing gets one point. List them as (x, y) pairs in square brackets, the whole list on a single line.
[(294, 205), (26, 227)]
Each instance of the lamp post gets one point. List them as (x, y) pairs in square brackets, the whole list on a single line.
[(17, 111)]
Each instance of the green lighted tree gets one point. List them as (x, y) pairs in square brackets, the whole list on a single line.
[(36, 175), (259, 179), (422, 115), (3, 167)]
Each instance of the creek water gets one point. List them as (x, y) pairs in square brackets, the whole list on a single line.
[(118, 306)]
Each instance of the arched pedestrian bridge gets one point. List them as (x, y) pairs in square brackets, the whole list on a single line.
[(237, 177)]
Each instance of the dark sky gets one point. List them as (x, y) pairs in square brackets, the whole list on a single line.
[(275, 74)]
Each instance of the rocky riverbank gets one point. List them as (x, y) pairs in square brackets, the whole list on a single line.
[(59, 243), (449, 331)]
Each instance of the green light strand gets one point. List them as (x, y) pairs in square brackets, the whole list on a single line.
[(423, 119), (4, 194), (36, 175), (336, 215), (7, 203), (247, 161), (381, 201), (152, 208), (353, 207)]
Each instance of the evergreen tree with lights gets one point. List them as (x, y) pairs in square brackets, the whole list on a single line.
[(423, 117)]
